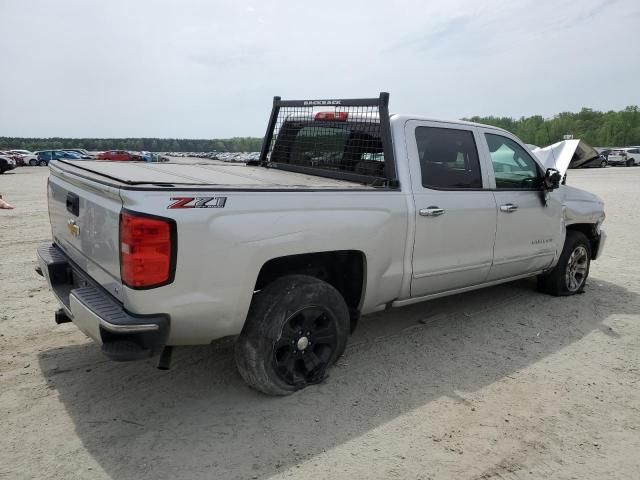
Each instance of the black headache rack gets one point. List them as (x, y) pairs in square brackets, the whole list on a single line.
[(346, 139)]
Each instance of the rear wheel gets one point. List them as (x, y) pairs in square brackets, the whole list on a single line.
[(33, 163), (296, 329), (570, 274), (603, 163), (630, 163)]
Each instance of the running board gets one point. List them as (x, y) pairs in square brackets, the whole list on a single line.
[(410, 301)]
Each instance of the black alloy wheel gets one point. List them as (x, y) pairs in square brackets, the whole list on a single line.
[(296, 328), (307, 344)]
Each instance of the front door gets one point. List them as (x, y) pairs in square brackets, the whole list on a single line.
[(455, 218), (529, 231)]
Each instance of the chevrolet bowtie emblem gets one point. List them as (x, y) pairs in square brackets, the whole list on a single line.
[(73, 227)]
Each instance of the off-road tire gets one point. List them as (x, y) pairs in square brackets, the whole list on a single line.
[(555, 282), (270, 317)]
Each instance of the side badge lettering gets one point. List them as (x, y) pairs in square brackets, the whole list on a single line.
[(198, 202)]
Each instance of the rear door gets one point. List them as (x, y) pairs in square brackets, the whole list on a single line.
[(529, 229), (455, 218)]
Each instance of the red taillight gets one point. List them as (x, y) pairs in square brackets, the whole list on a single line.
[(147, 250), (333, 116)]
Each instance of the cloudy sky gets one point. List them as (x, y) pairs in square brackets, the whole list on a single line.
[(206, 68)]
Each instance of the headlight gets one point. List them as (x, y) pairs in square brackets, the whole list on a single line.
[(599, 223)]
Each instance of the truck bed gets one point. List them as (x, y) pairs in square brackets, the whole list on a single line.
[(219, 175)]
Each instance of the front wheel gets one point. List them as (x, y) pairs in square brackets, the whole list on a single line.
[(296, 329), (33, 163), (42, 163), (603, 163), (629, 163), (570, 274)]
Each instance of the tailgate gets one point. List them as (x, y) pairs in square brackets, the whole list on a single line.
[(85, 218)]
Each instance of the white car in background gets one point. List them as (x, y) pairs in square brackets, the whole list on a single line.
[(26, 157), (633, 153), (629, 156)]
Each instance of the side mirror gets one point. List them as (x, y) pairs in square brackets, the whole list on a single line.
[(552, 178)]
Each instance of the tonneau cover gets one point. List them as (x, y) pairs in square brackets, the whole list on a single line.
[(218, 174)]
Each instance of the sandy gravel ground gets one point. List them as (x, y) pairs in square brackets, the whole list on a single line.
[(503, 383)]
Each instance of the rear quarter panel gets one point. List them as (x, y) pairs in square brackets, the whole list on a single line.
[(221, 250)]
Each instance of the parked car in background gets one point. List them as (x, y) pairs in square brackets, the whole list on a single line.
[(146, 156), (116, 155), (17, 158), (22, 157), (45, 156), (74, 155), (633, 156), (599, 161), (623, 157), (82, 152), (603, 162), (21, 152), (6, 163), (605, 153), (585, 156)]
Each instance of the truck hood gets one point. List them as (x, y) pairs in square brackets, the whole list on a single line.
[(565, 154)]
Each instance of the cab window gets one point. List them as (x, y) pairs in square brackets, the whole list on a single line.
[(448, 158), (513, 167)]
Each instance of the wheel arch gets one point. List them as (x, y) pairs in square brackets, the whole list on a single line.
[(589, 230), (345, 270)]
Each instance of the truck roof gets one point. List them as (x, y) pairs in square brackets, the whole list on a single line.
[(403, 117)]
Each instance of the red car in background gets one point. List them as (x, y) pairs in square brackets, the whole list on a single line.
[(117, 155)]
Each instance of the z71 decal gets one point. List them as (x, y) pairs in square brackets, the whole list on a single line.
[(198, 202)]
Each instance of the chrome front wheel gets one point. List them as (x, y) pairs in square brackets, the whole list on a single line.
[(569, 276), (577, 268)]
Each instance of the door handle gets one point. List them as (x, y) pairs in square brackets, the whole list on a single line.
[(509, 208), (431, 211)]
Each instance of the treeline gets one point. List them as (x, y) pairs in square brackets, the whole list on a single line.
[(601, 129), (236, 144)]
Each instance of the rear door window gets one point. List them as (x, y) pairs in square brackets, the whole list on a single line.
[(448, 158)]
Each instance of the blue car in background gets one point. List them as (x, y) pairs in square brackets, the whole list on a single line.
[(146, 156), (45, 156)]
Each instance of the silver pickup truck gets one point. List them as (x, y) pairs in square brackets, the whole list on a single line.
[(348, 211)]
